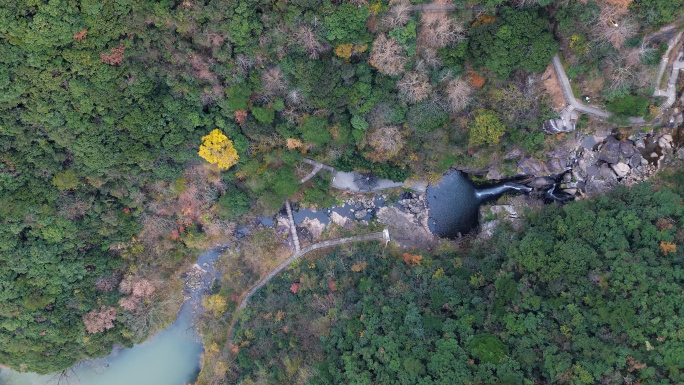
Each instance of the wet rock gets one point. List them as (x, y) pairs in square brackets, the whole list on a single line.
[(620, 169), (541, 182)]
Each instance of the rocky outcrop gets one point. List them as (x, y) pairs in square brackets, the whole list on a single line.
[(409, 222), (490, 217), (598, 162), (602, 164)]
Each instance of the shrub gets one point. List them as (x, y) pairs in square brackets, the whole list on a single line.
[(233, 203), (315, 130), (629, 105), (426, 117), (486, 128)]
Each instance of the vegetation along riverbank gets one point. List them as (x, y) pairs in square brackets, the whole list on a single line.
[(137, 134)]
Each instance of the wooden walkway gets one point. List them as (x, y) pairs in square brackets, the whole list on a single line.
[(379, 236), (293, 226)]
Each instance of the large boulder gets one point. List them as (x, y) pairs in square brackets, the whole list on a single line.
[(610, 152), (636, 160), (621, 169), (627, 149), (665, 142)]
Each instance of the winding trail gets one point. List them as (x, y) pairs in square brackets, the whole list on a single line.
[(381, 235)]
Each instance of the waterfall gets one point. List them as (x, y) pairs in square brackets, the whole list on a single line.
[(493, 192)]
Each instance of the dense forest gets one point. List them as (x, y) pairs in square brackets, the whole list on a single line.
[(104, 105), (590, 292)]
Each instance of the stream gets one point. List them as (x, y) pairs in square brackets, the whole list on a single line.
[(172, 355), (169, 357)]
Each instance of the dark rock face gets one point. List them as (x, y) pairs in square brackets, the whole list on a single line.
[(635, 160), (610, 152), (627, 149)]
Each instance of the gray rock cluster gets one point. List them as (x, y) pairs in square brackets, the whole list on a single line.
[(599, 162), (490, 217), (409, 222), (602, 166), (414, 205)]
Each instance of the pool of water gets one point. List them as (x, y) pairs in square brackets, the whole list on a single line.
[(454, 203), (170, 357)]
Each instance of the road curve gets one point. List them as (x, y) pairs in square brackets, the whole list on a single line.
[(380, 236), (570, 98)]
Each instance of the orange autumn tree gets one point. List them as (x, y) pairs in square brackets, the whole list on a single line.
[(412, 260), (217, 149)]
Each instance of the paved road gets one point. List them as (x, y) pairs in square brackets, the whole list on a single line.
[(570, 98), (670, 92), (380, 236)]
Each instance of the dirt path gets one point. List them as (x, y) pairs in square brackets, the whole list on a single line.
[(382, 235)]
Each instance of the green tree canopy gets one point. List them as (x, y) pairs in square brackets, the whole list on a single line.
[(515, 39)]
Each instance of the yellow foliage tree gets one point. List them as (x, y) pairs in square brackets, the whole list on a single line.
[(217, 149), (344, 50), (215, 304), (668, 247)]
